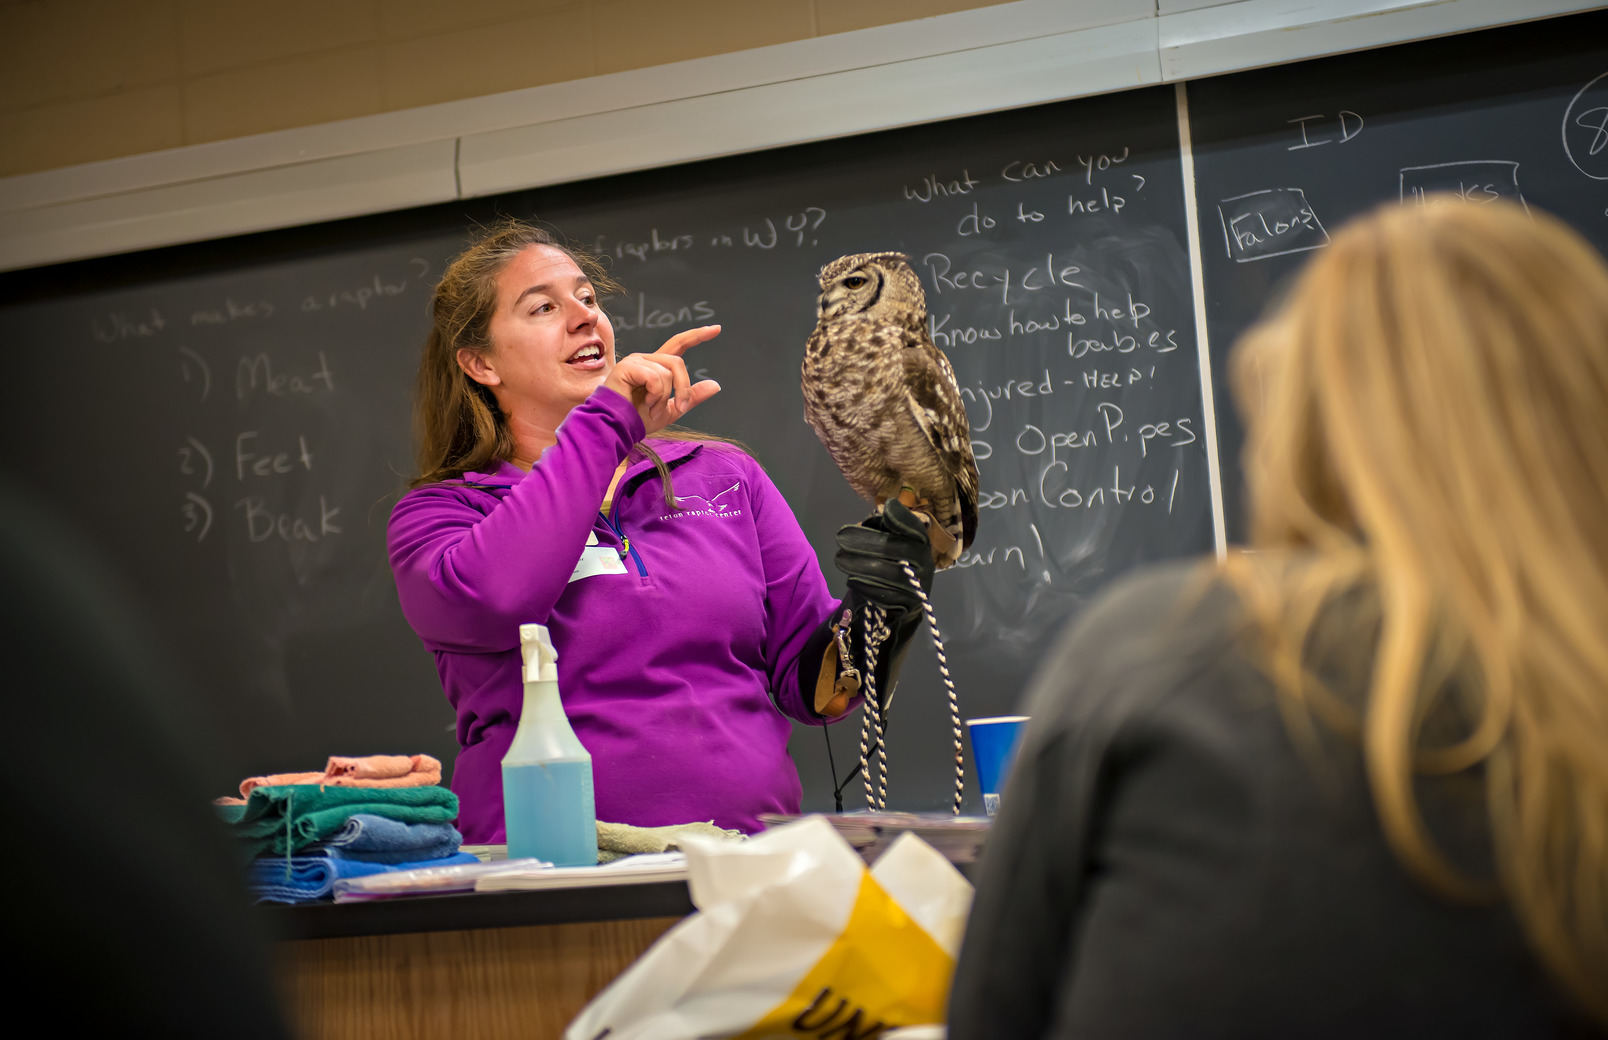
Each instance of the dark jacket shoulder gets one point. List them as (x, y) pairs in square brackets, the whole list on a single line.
[(1136, 643)]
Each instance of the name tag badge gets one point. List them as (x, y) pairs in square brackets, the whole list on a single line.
[(597, 559)]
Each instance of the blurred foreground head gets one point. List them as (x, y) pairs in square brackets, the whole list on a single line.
[(1429, 416), (127, 898)]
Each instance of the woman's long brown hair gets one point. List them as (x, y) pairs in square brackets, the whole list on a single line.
[(1429, 420), (458, 427)]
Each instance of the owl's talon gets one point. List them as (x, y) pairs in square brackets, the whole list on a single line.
[(942, 542)]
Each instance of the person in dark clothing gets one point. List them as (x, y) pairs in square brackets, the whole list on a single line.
[(1354, 783), (129, 915)]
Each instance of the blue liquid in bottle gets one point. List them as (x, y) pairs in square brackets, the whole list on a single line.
[(547, 773), (549, 811)]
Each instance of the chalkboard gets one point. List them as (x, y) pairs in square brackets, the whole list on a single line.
[(1052, 247), (231, 424), (232, 420), (1285, 155)]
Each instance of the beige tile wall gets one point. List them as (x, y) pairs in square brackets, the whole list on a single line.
[(82, 80)]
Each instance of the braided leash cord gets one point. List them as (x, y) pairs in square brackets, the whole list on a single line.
[(876, 796), (877, 631), (949, 683)]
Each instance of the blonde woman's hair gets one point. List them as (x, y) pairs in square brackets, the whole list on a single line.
[(1429, 421), (458, 427)]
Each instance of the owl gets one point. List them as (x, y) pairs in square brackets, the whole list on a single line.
[(883, 398)]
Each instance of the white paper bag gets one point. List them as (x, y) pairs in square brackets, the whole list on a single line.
[(794, 938)]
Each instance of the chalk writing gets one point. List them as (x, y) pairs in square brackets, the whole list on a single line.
[(986, 396), (1105, 202), (1043, 323), (800, 223), (1096, 379), (662, 316), (1115, 342), (231, 311), (945, 277), (1053, 492), (264, 524), (1350, 126), (767, 240), (191, 453), (195, 510), (249, 459), (1179, 428), (944, 336), (641, 249), (1093, 163), (1585, 129), (1025, 171), (932, 187), (197, 514), (256, 372), (974, 223), (1473, 180), (1271, 222), (116, 326), (194, 368), (358, 296)]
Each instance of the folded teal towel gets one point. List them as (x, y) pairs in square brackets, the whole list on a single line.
[(281, 820)]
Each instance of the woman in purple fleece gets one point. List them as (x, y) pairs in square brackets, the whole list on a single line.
[(690, 615)]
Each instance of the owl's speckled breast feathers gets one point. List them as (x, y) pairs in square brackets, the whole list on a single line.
[(883, 399)]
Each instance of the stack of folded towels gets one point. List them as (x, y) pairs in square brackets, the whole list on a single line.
[(360, 816)]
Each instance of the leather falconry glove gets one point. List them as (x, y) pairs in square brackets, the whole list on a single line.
[(870, 554)]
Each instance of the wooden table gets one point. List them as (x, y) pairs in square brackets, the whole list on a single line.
[(469, 967)]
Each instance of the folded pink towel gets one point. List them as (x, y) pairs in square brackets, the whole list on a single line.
[(381, 767), (364, 771)]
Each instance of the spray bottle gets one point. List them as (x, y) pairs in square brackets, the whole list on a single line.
[(547, 773)]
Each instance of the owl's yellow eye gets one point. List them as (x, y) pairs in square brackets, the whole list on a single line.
[(853, 281)]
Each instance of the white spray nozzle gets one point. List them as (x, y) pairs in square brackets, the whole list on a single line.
[(541, 660)]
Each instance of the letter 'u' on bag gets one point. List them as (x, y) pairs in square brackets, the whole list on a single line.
[(794, 938)]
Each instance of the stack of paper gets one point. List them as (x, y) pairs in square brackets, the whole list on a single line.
[(633, 870), (959, 838), (427, 880)]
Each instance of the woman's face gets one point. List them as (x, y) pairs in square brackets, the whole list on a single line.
[(550, 344)]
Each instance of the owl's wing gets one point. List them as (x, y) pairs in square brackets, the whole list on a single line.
[(934, 398)]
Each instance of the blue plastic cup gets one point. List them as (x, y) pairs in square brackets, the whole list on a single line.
[(993, 744)]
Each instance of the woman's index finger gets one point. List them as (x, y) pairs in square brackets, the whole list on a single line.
[(681, 342)]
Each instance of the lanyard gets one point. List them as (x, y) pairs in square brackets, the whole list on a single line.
[(626, 548)]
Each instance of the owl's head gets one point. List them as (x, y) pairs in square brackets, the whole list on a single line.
[(880, 285)]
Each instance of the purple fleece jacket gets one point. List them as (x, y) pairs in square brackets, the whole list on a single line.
[(677, 657)]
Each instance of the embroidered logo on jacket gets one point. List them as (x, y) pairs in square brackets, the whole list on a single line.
[(698, 505)]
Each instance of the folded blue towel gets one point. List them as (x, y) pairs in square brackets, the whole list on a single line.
[(308, 879), (377, 839)]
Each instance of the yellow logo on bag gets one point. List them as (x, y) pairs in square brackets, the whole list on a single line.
[(882, 973)]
